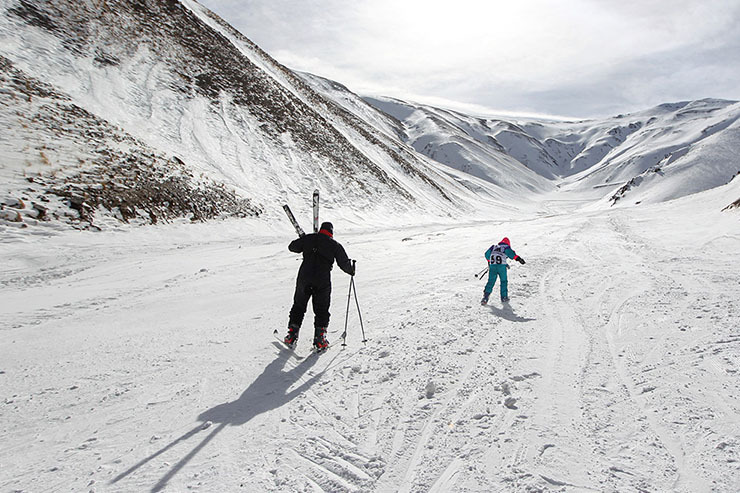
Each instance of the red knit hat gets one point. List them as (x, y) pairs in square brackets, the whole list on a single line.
[(506, 240)]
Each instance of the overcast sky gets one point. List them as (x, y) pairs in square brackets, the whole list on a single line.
[(576, 58)]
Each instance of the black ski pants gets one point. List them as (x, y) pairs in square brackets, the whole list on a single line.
[(320, 294)]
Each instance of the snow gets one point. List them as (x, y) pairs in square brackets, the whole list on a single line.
[(252, 153), (143, 359), (662, 153), (139, 358)]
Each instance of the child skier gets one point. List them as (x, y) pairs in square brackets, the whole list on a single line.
[(497, 265)]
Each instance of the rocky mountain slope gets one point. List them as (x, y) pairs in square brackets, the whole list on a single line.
[(173, 99)]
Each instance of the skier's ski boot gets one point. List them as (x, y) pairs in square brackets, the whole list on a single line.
[(504, 299), (292, 337), (319, 340), (484, 301)]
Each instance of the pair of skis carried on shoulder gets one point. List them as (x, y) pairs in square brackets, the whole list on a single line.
[(300, 232), (293, 220)]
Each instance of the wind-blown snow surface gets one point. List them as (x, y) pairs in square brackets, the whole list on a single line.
[(144, 360)]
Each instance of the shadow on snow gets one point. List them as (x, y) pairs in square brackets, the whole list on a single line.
[(269, 391), (507, 313)]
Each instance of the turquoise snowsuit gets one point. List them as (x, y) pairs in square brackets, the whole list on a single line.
[(496, 256)]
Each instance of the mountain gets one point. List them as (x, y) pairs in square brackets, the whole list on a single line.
[(143, 112), (656, 155), (159, 110)]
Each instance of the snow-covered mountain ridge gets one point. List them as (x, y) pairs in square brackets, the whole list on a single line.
[(156, 111), (659, 154), (172, 79)]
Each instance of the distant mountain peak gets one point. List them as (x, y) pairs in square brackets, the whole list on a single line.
[(690, 143)]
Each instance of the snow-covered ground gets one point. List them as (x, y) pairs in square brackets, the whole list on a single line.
[(144, 360)]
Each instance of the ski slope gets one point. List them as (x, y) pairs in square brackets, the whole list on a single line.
[(143, 360)]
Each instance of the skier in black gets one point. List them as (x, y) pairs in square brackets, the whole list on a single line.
[(319, 250)]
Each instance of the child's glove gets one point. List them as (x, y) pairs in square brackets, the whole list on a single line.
[(520, 260)]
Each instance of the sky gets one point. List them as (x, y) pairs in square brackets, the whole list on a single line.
[(580, 58)]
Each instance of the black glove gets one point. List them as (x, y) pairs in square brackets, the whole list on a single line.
[(520, 260)]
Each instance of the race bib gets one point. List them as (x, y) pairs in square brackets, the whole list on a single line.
[(497, 255)]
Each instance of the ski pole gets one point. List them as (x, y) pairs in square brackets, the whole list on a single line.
[(352, 287), (362, 326), (479, 275), (346, 314)]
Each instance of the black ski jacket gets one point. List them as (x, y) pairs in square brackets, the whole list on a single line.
[(319, 253)]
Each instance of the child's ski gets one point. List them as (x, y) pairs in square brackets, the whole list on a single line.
[(316, 211)]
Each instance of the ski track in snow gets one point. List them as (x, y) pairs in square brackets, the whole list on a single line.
[(148, 364)]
